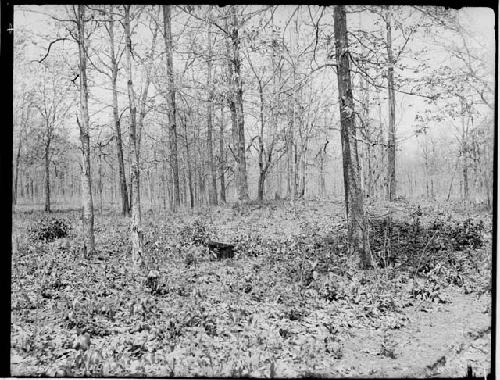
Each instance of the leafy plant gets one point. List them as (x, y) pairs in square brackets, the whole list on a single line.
[(48, 230)]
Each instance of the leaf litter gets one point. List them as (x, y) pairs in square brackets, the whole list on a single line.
[(290, 303)]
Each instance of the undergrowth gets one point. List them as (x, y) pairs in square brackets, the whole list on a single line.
[(285, 304)]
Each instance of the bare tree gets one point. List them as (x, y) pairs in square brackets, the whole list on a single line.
[(88, 205), (116, 117), (212, 188), (236, 103), (172, 127), (136, 234), (357, 227), (391, 139)]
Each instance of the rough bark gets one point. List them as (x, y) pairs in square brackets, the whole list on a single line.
[(118, 134), (391, 142), (222, 159), (236, 106), (86, 180), (356, 219), (136, 233), (172, 127)]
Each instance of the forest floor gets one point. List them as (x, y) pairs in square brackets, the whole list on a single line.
[(290, 303)]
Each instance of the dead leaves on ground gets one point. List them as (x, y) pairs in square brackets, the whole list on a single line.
[(283, 306)]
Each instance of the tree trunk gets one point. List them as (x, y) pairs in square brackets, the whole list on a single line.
[(16, 172), (135, 227), (172, 128), (212, 188), (262, 171), (391, 143), (189, 169), (88, 205), (236, 106), (100, 184), (303, 169), (357, 228), (116, 118), (47, 177), (222, 156)]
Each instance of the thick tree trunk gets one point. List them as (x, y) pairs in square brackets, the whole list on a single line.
[(136, 233), (212, 188), (116, 118), (172, 128), (222, 159), (358, 235), (88, 205), (236, 106), (391, 142)]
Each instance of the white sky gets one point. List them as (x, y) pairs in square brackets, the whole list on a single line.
[(480, 21)]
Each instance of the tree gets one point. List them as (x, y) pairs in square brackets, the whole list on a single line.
[(212, 189), (116, 117), (236, 102), (172, 126), (136, 233), (357, 226), (83, 124), (25, 109), (391, 138)]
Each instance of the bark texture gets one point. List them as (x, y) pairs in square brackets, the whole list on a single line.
[(116, 118), (236, 105), (172, 126), (136, 233), (86, 179), (391, 138), (357, 225)]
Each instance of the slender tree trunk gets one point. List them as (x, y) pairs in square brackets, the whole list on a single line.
[(236, 106), (289, 155), (262, 172), (116, 118), (16, 172), (47, 177), (136, 226), (188, 163), (391, 143), (88, 205), (172, 128), (222, 156), (212, 188), (100, 184), (358, 234), (303, 165)]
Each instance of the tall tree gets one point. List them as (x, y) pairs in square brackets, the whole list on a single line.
[(172, 126), (212, 188), (25, 109), (84, 126), (136, 233), (236, 103), (116, 117), (222, 157), (357, 226), (391, 138)]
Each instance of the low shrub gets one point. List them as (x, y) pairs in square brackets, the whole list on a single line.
[(49, 229)]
